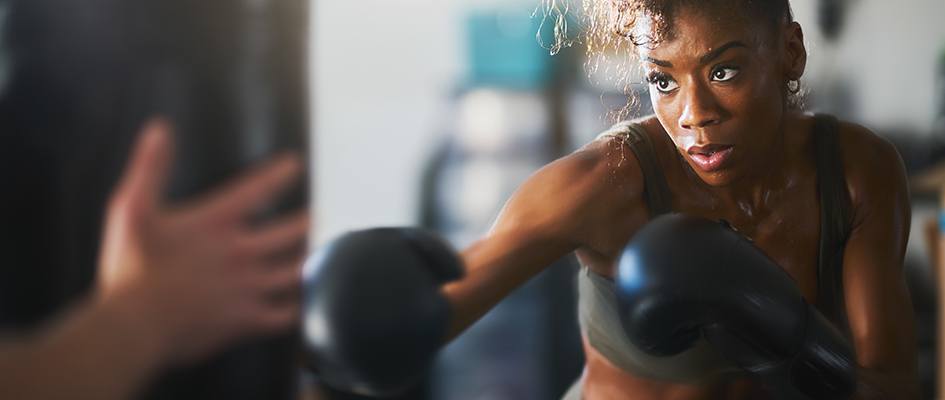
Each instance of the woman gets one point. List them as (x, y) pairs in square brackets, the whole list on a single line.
[(725, 143)]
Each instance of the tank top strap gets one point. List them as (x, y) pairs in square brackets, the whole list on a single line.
[(835, 218), (656, 191)]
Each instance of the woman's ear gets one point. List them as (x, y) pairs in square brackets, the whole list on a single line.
[(795, 54)]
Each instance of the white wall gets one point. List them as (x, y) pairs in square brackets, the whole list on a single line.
[(889, 51), (381, 72)]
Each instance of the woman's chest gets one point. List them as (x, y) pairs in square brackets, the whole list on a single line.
[(788, 233)]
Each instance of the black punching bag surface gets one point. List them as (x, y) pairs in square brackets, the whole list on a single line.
[(78, 79)]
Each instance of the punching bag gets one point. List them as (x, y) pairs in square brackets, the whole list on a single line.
[(78, 79)]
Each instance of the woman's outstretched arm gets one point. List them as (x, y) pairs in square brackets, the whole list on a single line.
[(557, 210)]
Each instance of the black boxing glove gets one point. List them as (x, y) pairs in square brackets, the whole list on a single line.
[(374, 314), (684, 277)]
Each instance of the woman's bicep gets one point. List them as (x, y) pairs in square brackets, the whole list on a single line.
[(877, 300), (880, 313), (878, 303)]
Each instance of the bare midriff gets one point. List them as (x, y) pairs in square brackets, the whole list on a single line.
[(603, 380)]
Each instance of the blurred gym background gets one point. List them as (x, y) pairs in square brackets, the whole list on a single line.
[(431, 112)]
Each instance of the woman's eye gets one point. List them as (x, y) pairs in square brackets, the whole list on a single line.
[(663, 84), (724, 74)]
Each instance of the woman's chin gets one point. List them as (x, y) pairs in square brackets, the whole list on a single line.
[(719, 178)]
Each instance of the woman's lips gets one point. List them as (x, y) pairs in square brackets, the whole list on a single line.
[(710, 158)]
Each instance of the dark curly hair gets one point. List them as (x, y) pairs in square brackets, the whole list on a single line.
[(661, 13), (611, 30)]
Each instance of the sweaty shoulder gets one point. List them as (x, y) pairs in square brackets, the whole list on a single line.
[(569, 197), (875, 174)]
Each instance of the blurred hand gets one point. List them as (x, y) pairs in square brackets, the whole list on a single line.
[(198, 274)]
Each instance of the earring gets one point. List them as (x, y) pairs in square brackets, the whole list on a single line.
[(794, 86)]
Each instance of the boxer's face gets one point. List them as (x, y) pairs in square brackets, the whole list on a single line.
[(717, 85)]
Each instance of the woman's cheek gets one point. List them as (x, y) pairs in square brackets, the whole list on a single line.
[(764, 90), (667, 118), (666, 109), (683, 141)]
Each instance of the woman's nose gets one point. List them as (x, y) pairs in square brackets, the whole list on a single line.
[(700, 108)]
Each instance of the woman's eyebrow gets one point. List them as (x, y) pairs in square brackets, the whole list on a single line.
[(718, 52), (661, 63), (708, 57)]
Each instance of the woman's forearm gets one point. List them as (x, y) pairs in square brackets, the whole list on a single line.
[(101, 349), (495, 266)]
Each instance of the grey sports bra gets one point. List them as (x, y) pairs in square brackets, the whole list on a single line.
[(597, 309)]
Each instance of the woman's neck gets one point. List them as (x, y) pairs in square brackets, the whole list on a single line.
[(771, 174)]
